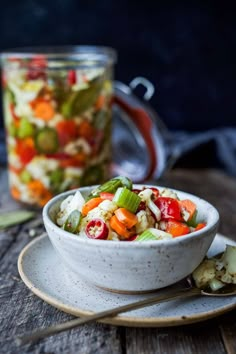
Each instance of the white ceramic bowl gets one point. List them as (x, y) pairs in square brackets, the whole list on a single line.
[(132, 266)]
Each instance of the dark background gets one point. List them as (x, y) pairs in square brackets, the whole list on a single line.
[(187, 49)]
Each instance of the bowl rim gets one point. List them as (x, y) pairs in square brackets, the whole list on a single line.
[(113, 243)]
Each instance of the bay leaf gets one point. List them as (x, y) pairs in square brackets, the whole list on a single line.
[(15, 217)]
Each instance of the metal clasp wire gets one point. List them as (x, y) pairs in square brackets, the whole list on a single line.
[(139, 80)]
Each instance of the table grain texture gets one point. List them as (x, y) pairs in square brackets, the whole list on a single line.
[(21, 311)]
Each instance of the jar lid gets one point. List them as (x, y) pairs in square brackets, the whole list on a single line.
[(138, 134)]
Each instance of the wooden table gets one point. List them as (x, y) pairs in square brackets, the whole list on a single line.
[(21, 311)]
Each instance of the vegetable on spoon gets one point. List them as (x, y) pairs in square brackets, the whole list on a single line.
[(215, 273)]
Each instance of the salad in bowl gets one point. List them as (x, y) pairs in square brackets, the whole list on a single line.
[(117, 211), (130, 238)]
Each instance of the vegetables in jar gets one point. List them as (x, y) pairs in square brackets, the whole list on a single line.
[(58, 122)]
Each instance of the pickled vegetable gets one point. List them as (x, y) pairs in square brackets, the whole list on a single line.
[(127, 199), (58, 122), (114, 212)]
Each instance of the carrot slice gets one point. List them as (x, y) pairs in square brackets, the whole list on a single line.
[(188, 206), (100, 102), (120, 228), (126, 217), (77, 160), (44, 110), (39, 191), (15, 192), (86, 130), (91, 204), (16, 170), (200, 226), (177, 228)]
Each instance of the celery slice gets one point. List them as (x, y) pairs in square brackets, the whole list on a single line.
[(124, 198), (215, 284), (146, 236), (153, 234), (72, 222), (160, 234)]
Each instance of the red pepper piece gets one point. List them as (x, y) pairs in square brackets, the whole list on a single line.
[(37, 68), (106, 195), (155, 192), (71, 77), (16, 119), (26, 150), (169, 208), (66, 131), (97, 229), (142, 206), (137, 191)]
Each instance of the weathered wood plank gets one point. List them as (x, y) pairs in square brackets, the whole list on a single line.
[(228, 330), (176, 340), (21, 311)]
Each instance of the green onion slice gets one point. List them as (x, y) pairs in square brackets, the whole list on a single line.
[(124, 198), (193, 221), (125, 182), (111, 186), (72, 222)]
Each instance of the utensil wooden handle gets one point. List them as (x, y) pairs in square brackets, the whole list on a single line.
[(42, 333)]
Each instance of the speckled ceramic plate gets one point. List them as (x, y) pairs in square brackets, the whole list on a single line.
[(43, 272)]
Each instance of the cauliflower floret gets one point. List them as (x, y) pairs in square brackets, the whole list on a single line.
[(146, 196), (108, 205), (162, 225), (204, 273), (145, 221), (80, 144), (103, 211), (27, 91), (113, 236), (168, 193), (226, 266), (14, 160), (73, 172), (23, 109), (71, 203), (216, 273), (39, 169)]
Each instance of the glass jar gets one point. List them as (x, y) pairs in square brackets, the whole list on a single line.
[(57, 113)]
